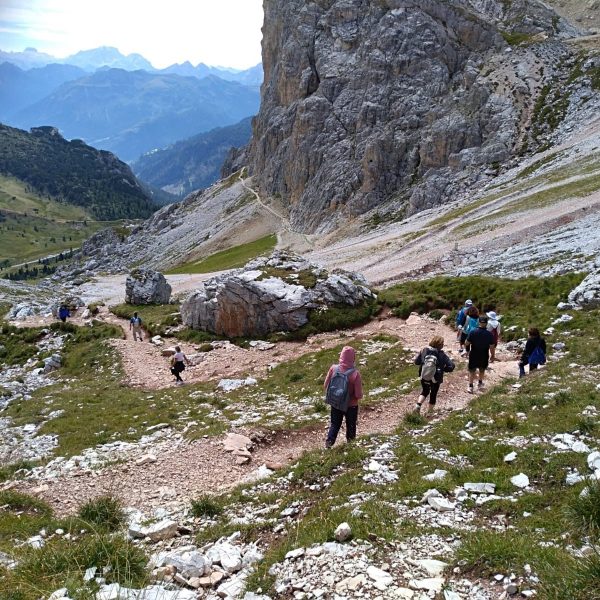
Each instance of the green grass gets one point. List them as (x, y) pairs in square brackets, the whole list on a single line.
[(104, 512), (231, 258), (33, 227), (205, 506), (18, 344), (522, 302), (156, 318), (62, 560)]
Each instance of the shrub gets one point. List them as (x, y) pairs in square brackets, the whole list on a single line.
[(205, 506), (584, 511), (414, 419), (105, 512)]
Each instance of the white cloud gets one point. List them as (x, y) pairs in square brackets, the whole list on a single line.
[(225, 32)]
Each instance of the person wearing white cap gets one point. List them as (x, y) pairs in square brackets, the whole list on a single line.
[(461, 319), (495, 329)]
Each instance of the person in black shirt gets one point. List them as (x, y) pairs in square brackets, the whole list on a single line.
[(478, 345), (533, 341), (444, 365)]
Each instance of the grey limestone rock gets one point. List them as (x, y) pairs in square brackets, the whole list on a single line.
[(587, 293), (267, 295), (369, 102), (144, 286)]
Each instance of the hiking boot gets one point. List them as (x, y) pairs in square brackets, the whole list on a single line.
[(480, 385), (417, 409), (470, 388), (328, 444)]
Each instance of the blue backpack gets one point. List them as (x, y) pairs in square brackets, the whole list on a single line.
[(461, 317), (472, 324), (338, 390), (537, 357)]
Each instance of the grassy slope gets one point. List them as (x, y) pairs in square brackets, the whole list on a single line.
[(548, 403), (24, 212), (232, 258)]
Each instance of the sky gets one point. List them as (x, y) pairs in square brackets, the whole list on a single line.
[(216, 32)]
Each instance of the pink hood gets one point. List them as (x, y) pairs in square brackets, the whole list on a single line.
[(347, 357)]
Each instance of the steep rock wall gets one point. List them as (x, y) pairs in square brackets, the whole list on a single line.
[(364, 102)]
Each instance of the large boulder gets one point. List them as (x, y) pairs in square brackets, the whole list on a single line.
[(587, 293), (270, 294), (144, 286)]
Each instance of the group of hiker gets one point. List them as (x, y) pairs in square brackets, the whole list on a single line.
[(477, 335)]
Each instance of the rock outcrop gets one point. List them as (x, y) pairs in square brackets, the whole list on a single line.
[(587, 293), (144, 286), (369, 102), (270, 294)]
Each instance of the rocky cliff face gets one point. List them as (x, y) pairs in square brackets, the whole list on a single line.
[(366, 102)]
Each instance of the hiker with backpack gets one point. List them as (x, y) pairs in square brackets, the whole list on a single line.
[(534, 353), (433, 362), (471, 323), (495, 329), (461, 319), (343, 386), (135, 324), (478, 344), (64, 313)]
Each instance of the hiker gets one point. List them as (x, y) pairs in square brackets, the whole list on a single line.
[(534, 353), (63, 313), (478, 344), (178, 362), (433, 363), (471, 323), (343, 385), (135, 323), (495, 329), (461, 319)]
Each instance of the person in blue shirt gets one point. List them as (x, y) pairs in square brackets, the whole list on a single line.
[(461, 319), (63, 313), (478, 344)]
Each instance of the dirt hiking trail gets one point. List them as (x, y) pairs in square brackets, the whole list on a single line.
[(186, 469)]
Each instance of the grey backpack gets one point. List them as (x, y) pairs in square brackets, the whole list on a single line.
[(429, 368), (338, 390)]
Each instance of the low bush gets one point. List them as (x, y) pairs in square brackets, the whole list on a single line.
[(584, 511), (104, 512), (205, 506)]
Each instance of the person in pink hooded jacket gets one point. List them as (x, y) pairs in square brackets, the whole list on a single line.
[(347, 358)]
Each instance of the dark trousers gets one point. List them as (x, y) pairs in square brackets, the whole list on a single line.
[(432, 388), (176, 369), (337, 416), (522, 368)]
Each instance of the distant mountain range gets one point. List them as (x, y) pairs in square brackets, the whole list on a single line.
[(132, 112), (193, 163), (121, 103), (73, 172), (107, 57)]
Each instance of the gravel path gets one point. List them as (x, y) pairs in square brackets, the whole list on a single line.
[(185, 469)]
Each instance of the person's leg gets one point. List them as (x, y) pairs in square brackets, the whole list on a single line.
[(425, 389), (435, 388), (471, 379), (179, 371), (337, 416), (521, 369), (533, 368), (481, 376), (351, 420), (492, 353)]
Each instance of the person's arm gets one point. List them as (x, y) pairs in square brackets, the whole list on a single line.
[(449, 364), (358, 391), (419, 359), (328, 378), (468, 342)]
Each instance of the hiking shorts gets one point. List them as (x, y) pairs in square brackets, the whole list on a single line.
[(478, 362), (463, 338)]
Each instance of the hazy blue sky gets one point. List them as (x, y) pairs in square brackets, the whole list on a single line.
[(216, 32)]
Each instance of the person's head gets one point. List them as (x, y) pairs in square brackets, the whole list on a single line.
[(473, 312), (534, 332), (177, 348), (483, 321), (135, 314), (347, 355), (437, 342), (468, 303), (492, 315)]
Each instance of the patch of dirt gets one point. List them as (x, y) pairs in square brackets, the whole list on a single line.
[(187, 470)]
